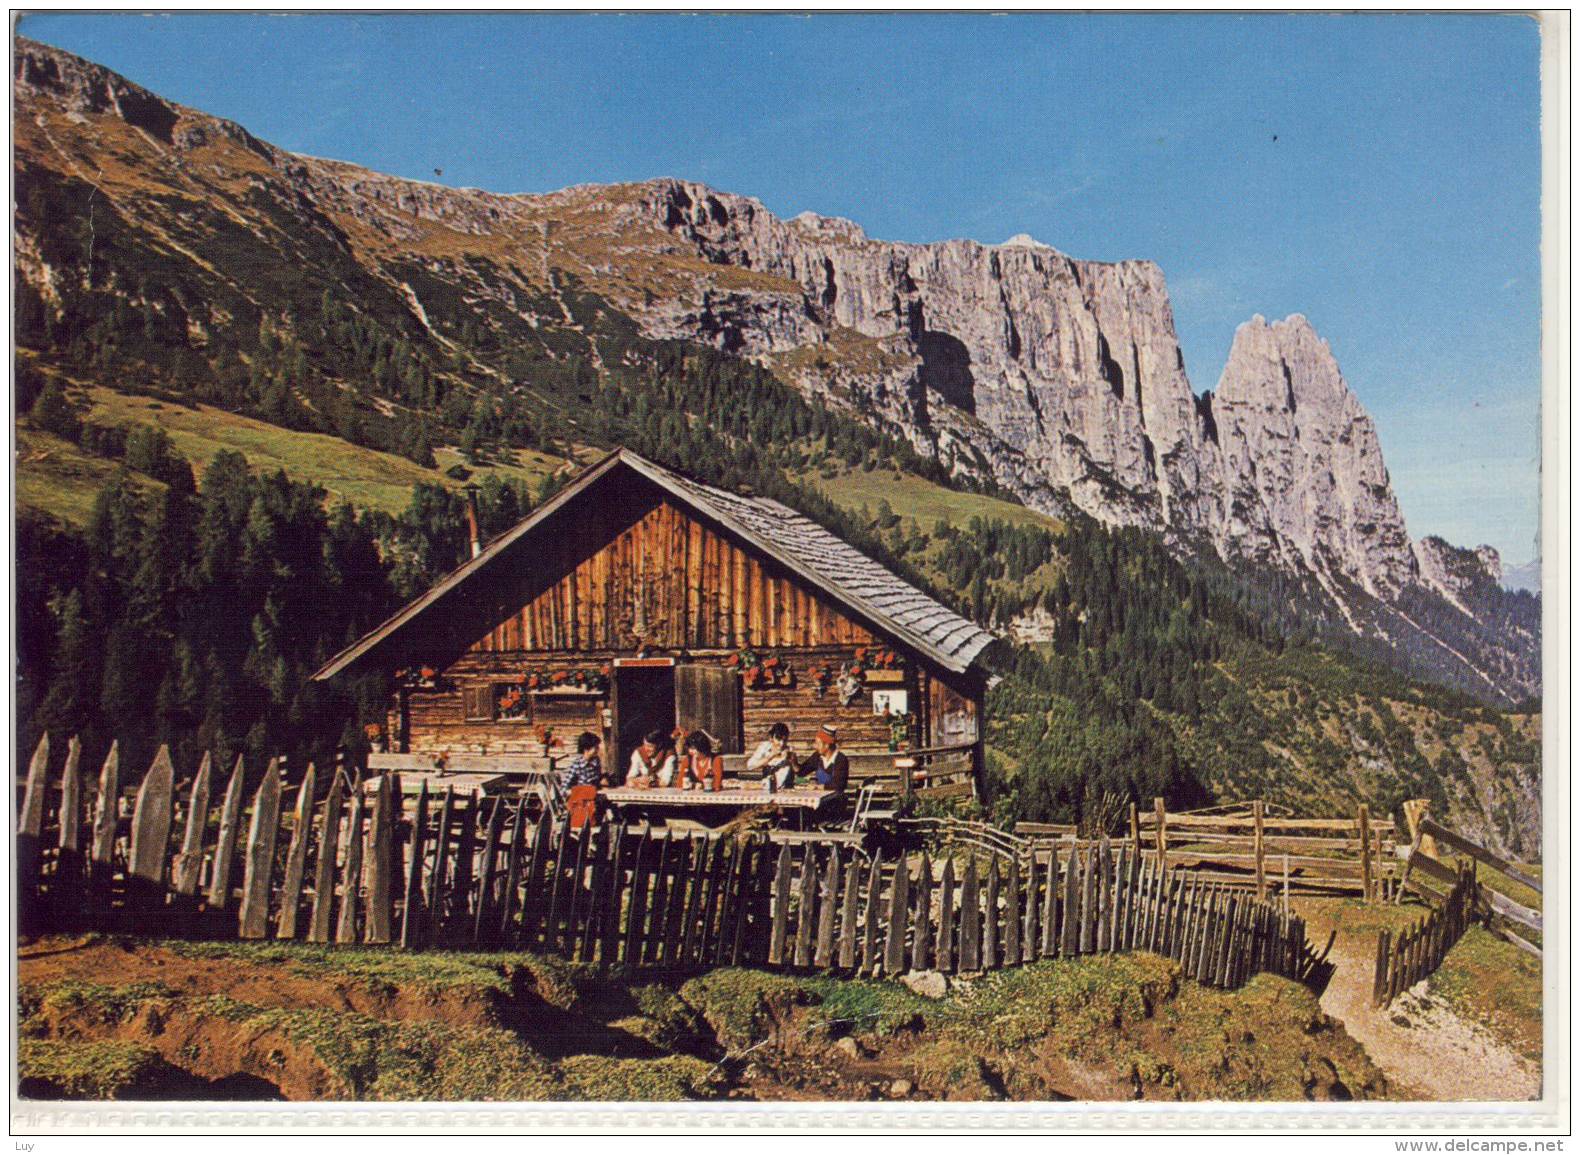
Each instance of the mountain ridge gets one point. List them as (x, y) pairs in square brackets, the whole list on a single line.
[(1056, 379)]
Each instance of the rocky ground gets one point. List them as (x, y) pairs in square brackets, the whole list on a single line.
[(124, 1018)]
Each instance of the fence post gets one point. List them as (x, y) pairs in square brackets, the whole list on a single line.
[(1259, 849), (259, 868), (1162, 835), (1415, 810), (296, 856), (30, 837), (189, 863), (1135, 834), (225, 848), (1364, 826)]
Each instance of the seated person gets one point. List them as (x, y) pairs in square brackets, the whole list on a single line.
[(773, 758), (828, 766), (653, 762), (701, 767), (586, 769)]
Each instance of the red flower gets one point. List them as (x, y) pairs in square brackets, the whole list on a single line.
[(428, 672), (534, 682), (732, 661), (772, 663), (559, 677)]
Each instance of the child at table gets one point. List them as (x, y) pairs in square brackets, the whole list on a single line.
[(702, 768)]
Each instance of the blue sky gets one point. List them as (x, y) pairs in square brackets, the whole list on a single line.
[(1378, 173)]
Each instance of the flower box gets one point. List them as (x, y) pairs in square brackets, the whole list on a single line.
[(885, 676)]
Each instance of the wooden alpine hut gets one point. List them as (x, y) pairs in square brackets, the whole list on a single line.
[(638, 599)]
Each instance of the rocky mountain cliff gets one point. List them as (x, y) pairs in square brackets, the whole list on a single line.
[(1057, 379)]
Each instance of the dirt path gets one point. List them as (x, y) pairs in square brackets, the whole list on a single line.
[(1426, 1050)]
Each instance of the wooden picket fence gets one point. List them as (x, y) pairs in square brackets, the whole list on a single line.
[(1419, 951), (367, 864)]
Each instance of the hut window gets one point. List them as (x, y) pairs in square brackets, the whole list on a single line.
[(479, 703)]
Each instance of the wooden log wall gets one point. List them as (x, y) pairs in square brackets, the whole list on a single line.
[(436, 719), (462, 871), (669, 581)]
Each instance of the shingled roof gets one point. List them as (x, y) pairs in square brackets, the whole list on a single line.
[(846, 575)]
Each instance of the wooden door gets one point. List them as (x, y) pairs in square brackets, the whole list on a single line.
[(709, 698), (642, 698)]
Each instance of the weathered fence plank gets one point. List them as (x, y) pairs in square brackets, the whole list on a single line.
[(67, 886), (847, 916), (613, 899), (1070, 940), (970, 919), (869, 922), (702, 863), (413, 909), (351, 872), (150, 848), (805, 904), (946, 918), (1012, 915), (899, 912), (225, 847), (558, 869), (436, 895), (539, 860), (707, 936), (1363, 829), (680, 880), (990, 919), (1090, 869), (324, 869), (30, 832), (1104, 921), (640, 866), (259, 871), (1050, 908), (188, 869), (296, 857), (481, 922), (922, 940), (377, 864), (827, 908), (510, 901), (753, 892), (459, 909), (655, 917)]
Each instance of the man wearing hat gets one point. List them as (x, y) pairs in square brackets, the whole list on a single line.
[(828, 767)]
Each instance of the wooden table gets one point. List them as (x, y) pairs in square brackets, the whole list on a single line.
[(801, 802), (463, 783)]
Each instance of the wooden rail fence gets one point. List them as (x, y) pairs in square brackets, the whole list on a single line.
[(1248, 846), (362, 864), (1425, 875)]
